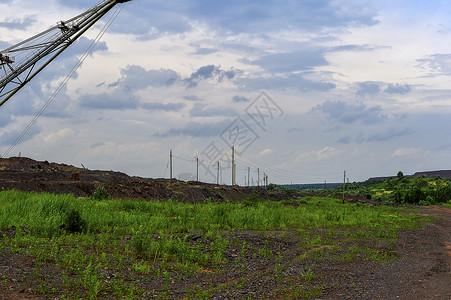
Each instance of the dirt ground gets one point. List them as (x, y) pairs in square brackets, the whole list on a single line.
[(422, 269)]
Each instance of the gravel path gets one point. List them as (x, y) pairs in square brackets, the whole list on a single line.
[(423, 270)]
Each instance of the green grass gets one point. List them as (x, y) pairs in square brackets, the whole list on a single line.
[(44, 214), (88, 238)]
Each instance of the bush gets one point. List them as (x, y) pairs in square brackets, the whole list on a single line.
[(73, 222), (100, 193)]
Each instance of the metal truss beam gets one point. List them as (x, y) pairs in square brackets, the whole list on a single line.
[(20, 63)]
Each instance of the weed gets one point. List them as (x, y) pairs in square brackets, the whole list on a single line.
[(241, 283), (308, 275), (278, 271), (265, 252), (218, 247), (91, 280), (142, 267)]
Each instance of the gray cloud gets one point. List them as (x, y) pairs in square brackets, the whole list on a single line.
[(17, 24), (196, 129), (205, 51), (192, 98), (291, 81), (4, 45), (303, 60), (137, 78), (240, 99), (368, 88), (437, 64), (145, 21), (119, 100), (68, 59), (389, 134), (208, 72), (344, 140), (8, 138), (163, 106), (234, 16), (443, 147), (348, 113), (201, 110), (5, 119), (401, 89), (272, 15)]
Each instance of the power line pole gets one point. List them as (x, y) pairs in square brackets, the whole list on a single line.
[(248, 176), (217, 176), (258, 177), (170, 164), (233, 165), (344, 186), (197, 168)]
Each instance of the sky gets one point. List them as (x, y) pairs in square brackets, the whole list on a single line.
[(303, 90)]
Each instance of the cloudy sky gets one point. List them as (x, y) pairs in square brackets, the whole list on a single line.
[(303, 89)]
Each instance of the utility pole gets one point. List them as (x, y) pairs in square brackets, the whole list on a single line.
[(258, 177), (197, 169), (248, 176), (344, 186), (217, 176), (170, 164), (233, 165)]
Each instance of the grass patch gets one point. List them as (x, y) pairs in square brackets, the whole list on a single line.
[(107, 248)]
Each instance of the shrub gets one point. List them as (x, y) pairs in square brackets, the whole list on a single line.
[(73, 222), (100, 193)]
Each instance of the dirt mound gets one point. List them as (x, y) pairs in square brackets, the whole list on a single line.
[(25, 174)]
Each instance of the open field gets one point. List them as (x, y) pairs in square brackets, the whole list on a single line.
[(65, 247), (105, 235)]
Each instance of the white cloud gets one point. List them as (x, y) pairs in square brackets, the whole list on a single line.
[(322, 154), (401, 152), (266, 152)]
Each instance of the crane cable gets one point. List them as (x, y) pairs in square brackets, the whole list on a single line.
[(68, 77)]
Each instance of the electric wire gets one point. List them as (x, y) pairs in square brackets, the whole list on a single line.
[(281, 173), (64, 82)]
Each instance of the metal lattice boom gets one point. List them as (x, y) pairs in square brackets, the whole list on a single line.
[(23, 61)]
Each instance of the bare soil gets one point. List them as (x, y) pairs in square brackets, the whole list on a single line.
[(421, 269), (25, 174)]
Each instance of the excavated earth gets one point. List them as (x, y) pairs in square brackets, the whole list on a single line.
[(25, 174), (421, 270)]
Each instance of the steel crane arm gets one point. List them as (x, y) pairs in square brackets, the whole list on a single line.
[(22, 62)]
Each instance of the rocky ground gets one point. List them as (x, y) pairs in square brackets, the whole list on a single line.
[(421, 269)]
